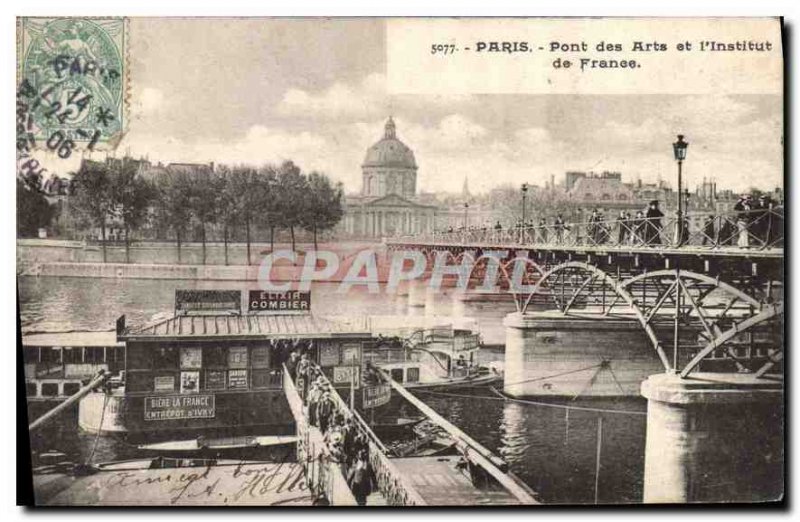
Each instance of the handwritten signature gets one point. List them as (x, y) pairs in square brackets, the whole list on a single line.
[(229, 483)]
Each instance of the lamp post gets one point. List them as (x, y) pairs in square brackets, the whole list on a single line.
[(522, 225), (679, 149), (524, 195), (466, 209)]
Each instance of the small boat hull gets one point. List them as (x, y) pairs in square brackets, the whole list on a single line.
[(482, 380), (200, 444)]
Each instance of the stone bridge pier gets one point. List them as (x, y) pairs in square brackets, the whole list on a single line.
[(713, 437), (553, 354)]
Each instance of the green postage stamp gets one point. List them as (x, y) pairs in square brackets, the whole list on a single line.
[(71, 84)]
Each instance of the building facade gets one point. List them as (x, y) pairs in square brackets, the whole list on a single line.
[(387, 204)]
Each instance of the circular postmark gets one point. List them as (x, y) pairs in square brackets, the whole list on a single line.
[(72, 83)]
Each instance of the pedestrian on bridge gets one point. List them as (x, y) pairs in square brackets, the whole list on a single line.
[(637, 229), (603, 231), (303, 375), (764, 219), (684, 238), (349, 441), (291, 363), (744, 217), (709, 232), (325, 410), (335, 439), (653, 225), (542, 230), (623, 224), (361, 478), (314, 395), (559, 227)]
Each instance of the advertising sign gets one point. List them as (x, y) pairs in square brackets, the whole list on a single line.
[(237, 379), (190, 382), (208, 301), (174, 407), (375, 396), (191, 357), (237, 357), (215, 379), (164, 383), (351, 354), (291, 301), (344, 375), (328, 354)]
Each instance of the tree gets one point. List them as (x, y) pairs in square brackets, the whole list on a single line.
[(131, 198), (322, 207), (33, 209), (242, 185), (92, 196), (506, 203), (226, 200), (266, 201), (202, 196), (292, 187), (173, 203)]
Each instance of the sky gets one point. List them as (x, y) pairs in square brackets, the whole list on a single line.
[(314, 91)]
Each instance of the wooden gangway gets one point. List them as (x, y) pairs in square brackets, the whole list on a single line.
[(475, 477), (475, 453)]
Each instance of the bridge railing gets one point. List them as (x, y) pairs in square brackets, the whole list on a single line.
[(758, 229), (393, 485), (328, 474), (324, 475)]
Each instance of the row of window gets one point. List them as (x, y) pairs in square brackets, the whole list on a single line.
[(203, 380), (197, 357), (411, 374), (51, 389), (191, 369), (70, 355), (605, 197)]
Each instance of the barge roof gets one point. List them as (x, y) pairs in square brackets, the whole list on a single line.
[(255, 326), (73, 339)]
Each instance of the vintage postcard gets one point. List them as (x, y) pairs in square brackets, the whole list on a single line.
[(401, 261)]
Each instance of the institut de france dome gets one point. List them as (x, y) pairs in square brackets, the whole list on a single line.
[(387, 204)]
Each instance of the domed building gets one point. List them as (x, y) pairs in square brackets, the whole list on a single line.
[(387, 204), (389, 167)]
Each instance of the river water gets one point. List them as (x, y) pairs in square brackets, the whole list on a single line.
[(555, 452)]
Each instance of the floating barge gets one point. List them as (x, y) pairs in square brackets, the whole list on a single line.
[(214, 371), (216, 374)]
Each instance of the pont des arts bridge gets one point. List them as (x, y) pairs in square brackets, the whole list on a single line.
[(691, 317)]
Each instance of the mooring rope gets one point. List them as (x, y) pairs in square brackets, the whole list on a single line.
[(554, 375), (502, 397), (99, 429)]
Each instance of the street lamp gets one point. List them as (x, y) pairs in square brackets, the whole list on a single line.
[(466, 208), (524, 195), (679, 148)]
